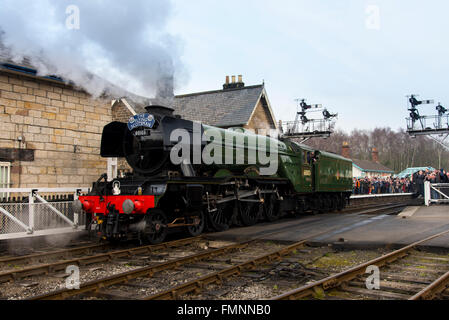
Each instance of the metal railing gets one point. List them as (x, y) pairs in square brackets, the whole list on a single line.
[(436, 193), (312, 126), (428, 123), (39, 209)]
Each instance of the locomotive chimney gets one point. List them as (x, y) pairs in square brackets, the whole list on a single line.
[(345, 150), (375, 155)]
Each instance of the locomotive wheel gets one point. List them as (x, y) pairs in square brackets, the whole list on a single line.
[(221, 219), (250, 212), (271, 208), (334, 203), (320, 204), (326, 203), (156, 226), (198, 229), (341, 203)]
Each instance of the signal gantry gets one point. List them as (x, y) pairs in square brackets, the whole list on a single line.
[(304, 127), (429, 125)]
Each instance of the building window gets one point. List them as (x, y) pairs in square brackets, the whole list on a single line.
[(5, 177)]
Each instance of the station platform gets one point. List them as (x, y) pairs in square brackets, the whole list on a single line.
[(354, 231), (385, 195)]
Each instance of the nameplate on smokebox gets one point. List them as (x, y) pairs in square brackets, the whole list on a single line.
[(141, 120)]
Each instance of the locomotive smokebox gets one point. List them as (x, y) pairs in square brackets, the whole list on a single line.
[(140, 141), (145, 140)]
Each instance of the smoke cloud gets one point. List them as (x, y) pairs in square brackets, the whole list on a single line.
[(118, 43)]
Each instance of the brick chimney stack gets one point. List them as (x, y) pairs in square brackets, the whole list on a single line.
[(375, 155), (234, 84), (345, 150)]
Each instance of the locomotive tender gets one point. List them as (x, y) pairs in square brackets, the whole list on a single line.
[(174, 183)]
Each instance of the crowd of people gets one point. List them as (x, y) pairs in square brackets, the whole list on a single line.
[(411, 184), (378, 185)]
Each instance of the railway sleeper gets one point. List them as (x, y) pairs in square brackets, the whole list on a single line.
[(378, 294), (392, 286), (411, 278)]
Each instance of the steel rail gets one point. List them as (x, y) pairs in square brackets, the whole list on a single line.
[(433, 289), (217, 277), (124, 277), (102, 257), (345, 276), (59, 253)]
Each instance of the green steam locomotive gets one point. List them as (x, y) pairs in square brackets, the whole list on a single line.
[(192, 176)]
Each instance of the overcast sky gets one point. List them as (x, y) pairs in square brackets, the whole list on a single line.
[(336, 53)]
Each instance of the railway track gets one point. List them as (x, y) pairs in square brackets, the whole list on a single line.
[(410, 280), (124, 278), (92, 248), (58, 254), (200, 261), (88, 258)]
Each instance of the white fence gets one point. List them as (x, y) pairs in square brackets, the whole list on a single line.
[(436, 193), (39, 209)]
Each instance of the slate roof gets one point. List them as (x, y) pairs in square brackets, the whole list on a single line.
[(223, 108), (367, 165), (5, 58), (232, 107)]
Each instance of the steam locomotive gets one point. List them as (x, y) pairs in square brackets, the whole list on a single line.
[(191, 176)]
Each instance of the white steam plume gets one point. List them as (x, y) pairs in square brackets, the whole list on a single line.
[(123, 42)]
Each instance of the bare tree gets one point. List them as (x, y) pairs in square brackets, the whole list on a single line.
[(397, 150)]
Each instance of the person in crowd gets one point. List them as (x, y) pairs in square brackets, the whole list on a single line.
[(420, 182)]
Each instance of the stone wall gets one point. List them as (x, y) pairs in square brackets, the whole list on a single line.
[(61, 125), (261, 119)]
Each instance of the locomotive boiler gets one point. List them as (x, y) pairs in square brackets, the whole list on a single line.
[(190, 176)]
